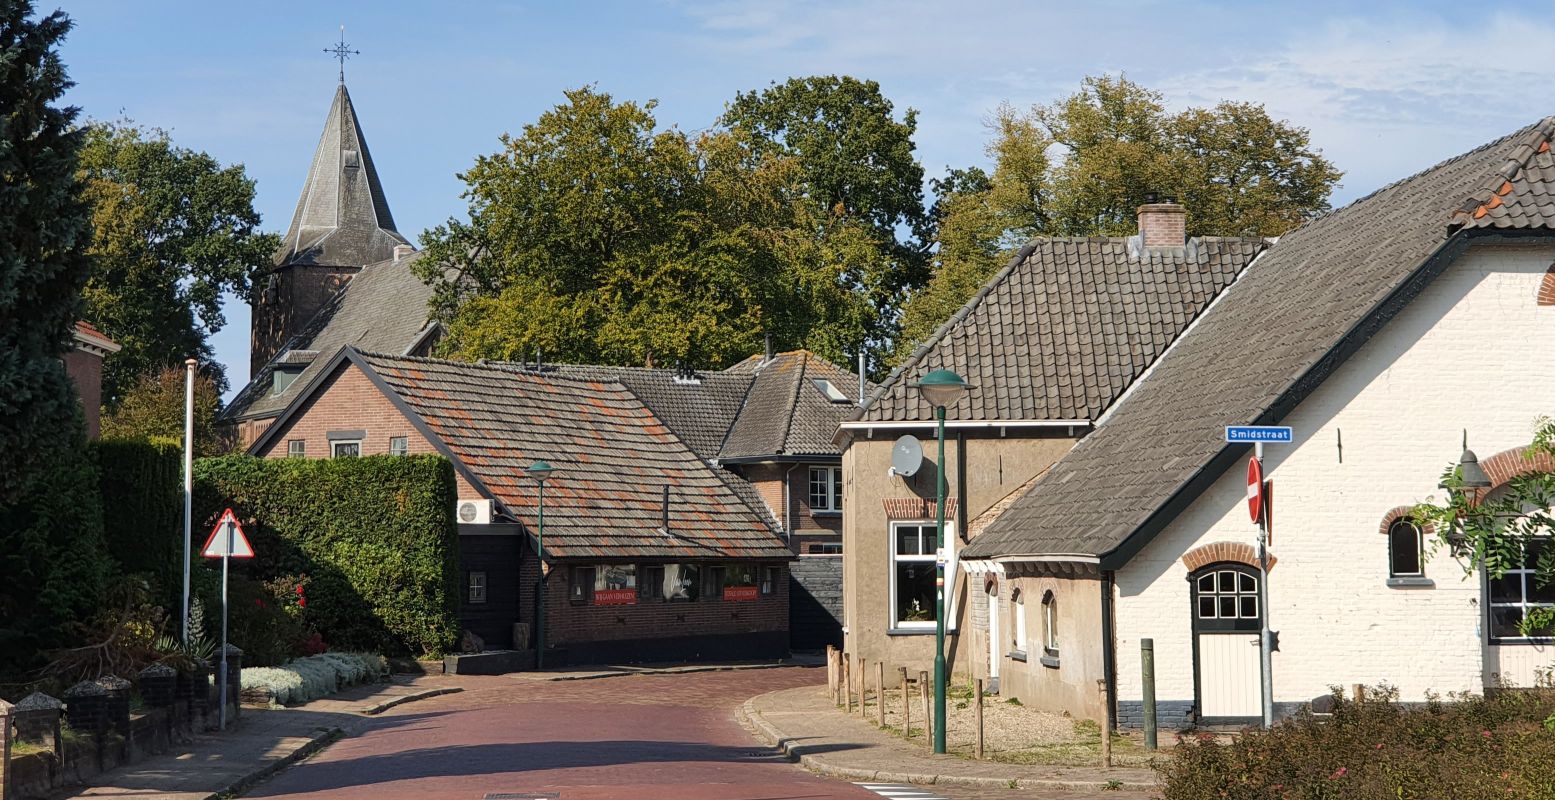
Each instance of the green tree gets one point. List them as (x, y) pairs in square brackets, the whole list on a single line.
[(50, 520), (172, 230), (152, 410), (858, 166), (596, 236), (1083, 165)]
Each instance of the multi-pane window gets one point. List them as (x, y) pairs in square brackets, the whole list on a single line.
[(477, 592), (1050, 623), (296, 448), (342, 448), (1518, 591), (826, 488), (1226, 598), (399, 445), (912, 575)]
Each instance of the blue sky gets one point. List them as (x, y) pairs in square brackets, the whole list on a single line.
[(1387, 89)]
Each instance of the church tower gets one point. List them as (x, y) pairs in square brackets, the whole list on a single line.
[(341, 224)]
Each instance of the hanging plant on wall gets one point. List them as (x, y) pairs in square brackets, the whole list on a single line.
[(1493, 528)]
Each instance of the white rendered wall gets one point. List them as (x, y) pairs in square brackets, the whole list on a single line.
[(1472, 351)]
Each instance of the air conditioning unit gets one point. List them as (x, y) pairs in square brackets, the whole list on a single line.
[(473, 512)]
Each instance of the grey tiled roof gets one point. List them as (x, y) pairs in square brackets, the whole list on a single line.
[(383, 309), (612, 458), (699, 412), (1275, 335), (1065, 327), (785, 413), (342, 216)]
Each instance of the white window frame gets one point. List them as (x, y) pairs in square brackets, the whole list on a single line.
[(1018, 620), (1050, 623), (1527, 575), (832, 479), (296, 448), (1419, 548), (476, 580), (950, 573), (399, 445), (335, 444)]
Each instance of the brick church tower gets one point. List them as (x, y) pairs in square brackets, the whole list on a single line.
[(342, 223)]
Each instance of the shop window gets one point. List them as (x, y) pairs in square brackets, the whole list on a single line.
[(651, 585), (604, 585), (769, 579), (682, 582), (738, 582), (1518, 591), (1406, 551), (826, 489), (477, 588), (580, 592)]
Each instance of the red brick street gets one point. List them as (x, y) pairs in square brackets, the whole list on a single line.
[(640, 737)]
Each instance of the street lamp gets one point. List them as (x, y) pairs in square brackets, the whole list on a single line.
[(1471, 479), (540, 471), (941, 388)]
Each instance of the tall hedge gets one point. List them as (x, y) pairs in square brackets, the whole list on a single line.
[(375, 537), (143, 511)]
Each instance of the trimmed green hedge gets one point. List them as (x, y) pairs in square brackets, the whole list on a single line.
[(374, 536), (141, 485)]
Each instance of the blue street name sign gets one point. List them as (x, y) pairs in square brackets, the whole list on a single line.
[(1258, 433)]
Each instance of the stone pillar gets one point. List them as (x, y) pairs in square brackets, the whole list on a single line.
[(86, 709), (118, 690), (38, 720), (158, 685)]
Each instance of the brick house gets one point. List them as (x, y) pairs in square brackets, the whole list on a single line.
[(1050, 344), (1383, 334), (84, 365), (651, 552)]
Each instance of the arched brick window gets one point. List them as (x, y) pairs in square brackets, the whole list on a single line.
[(1547, 288), (1216, 552)]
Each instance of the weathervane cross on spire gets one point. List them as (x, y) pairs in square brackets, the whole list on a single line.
[(342, 51)]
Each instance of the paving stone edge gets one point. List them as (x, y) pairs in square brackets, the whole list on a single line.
[(594, 676), (320, 740), (379, 708), (752, 720)]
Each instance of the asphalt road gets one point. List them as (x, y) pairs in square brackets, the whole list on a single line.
[(639, 737)]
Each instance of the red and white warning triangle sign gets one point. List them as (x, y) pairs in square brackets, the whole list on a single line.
[(227, 539)]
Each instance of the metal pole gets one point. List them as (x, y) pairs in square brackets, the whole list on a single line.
[(906, 706), (1147, 676), (1265, 636), (978, 689), (880, 692), (540, 606), (189, 366), (939, 594), (226, 556)]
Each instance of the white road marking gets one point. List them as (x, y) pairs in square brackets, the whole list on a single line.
[(901, 791)]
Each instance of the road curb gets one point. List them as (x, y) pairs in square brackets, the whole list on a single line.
[(594, 676), (320, 740), (752, 720), (379, 708)]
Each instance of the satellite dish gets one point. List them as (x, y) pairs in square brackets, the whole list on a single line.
[(906, 456)]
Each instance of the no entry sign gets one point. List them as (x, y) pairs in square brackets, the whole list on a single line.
[(1254, 488)]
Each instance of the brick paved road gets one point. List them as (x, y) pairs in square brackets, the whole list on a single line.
[(670, 736)]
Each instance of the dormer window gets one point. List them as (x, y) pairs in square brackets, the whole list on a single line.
[(829, 390), (350, 159), (282, 376)]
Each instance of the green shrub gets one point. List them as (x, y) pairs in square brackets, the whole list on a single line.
[(302, 680), (1471, 747), (375, 538), (142, 493)]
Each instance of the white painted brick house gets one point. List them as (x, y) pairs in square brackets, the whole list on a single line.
[(1380, 333)]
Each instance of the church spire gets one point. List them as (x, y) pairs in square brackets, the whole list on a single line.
[(342, 218)]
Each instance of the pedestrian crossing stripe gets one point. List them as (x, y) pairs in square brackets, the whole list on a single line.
[(901, 791)]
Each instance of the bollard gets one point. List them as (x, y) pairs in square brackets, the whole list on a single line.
[(831, 670), (928, 717), (847, 683), (1106, 742), (880, 691), (1147, 676), (863, 687), (906, 706), (978, 689)]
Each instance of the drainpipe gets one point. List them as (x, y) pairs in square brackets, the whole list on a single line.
[(788, 509), (1109, 654)]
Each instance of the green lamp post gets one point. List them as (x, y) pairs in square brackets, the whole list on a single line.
[(540, 471), (941, 388)]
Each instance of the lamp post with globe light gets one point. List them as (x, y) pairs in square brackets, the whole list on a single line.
[(540, 471)]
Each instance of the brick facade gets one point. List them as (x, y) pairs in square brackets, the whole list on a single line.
[(1163, 225), (811, 528), (280, 313), (86, 372)]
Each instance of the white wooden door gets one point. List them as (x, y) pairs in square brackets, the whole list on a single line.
[(995, 638), (1229, 677)]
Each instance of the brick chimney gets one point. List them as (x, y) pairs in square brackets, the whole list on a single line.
[(1162, 225)]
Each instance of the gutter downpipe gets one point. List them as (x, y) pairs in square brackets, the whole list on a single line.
[(788, 508), (1109, 656)]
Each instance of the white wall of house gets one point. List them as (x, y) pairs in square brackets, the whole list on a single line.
[(1473, 351)]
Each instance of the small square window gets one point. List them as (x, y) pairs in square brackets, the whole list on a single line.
[(345, 449), (296, 448), (477, 587), (1249, 606), (399, 446)]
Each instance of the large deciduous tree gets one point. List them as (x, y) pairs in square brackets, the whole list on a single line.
[(1083, 165), (152, 410), (596, 236), (173, 229), (50, 520)]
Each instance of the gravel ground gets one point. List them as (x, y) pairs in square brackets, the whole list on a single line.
[(1011, 732)]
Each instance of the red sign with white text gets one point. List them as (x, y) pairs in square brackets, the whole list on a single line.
[(615, 597), (739, 593)]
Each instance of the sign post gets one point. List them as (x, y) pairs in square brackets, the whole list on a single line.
[(228, 542), (1258, 508)]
